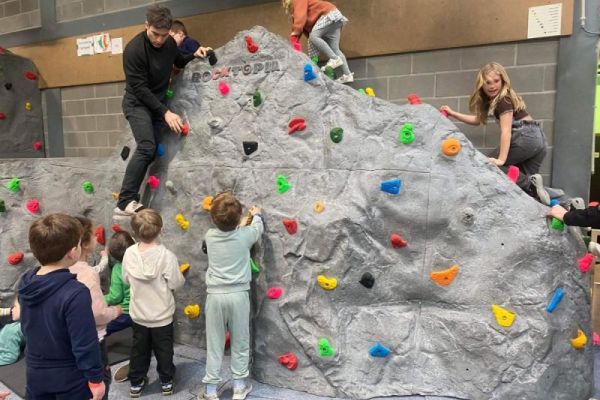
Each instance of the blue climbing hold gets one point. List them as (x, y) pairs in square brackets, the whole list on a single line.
[(554, 202), (161, 150), (309, 73), (558, 295), (379, 350), (392, 186)]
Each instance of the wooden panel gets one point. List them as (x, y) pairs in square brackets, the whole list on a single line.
[(376, 27)]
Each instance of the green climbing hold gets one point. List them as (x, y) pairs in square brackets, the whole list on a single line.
[(361, 90), (315, 59), (325, 349), (557, 224), (2, 206), (254, 267), (256, 98), (282, 184), (336, 135), (329, 72), (170, 93), (407, 136), (14, 185), (88, 187)]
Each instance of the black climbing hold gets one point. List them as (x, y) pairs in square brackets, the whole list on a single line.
[(367, 280), (125, 153), (250, 147), (212, 57), (2, 206), (204, 250), (8, 85)]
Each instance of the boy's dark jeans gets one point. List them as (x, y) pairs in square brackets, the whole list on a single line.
[(146, 129), (107, 375), (123, 321), (148, 340)]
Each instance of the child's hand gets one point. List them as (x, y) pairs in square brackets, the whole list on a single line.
[(201, 52), (557, 212), (496, 162), (4, 395), (97, 390), (119, 311), (447, 110), (104, 252), (254, 210)]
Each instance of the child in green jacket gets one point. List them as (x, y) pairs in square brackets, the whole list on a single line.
[(12, 339), (118, 293)]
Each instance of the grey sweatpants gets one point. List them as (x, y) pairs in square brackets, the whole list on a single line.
[(227, 310), (327, 41)]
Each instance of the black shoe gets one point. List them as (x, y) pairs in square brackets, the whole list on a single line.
[(135, 391), (166, 388)]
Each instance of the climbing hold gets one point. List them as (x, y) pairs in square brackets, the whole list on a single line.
[(407, 135), (451, 147), (185, 129), (413, 99), (327, 283), (559, 293), (2, 206), (282, 184), (513, 173), (586, 262), (325, 349), (557, 224), (397, 241), (28, 106), (116, 228), (161, 150), (319, 207), (361, 90), (182, 222), (274, 293), (15, 258), (125, 153), (336, 135), (391, 186), (153, 182), (446, 276), (223, 88), (184, 267), (192, 311), (329, 72), (215, 123), (2, 116), (170, 93), (309, 73), (554, 202), (30, 75), (315, 59), (579, 341), (33, 206), (205, 250), (37, 145), (169, 185), (595, 339), (88, 187), (295, 42), (250, 147), (207, 203), (100, 235), (14, 185), (370, 92), (296, 124), (289, 360), (503, 316), (593, 204), (250, 45), (256, 98), (254, 267), (444, 112), (379, 350), (8, 85), (115, 196), (367, 280), (290, 225), (212, 57)]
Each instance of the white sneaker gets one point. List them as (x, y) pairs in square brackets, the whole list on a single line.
[(577, 203), (538, 183), (346, 78), (131, 208), (215, 396), (240, 394), (333, 63), (594, 248)]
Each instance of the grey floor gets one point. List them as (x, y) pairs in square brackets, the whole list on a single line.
[(190, 364)]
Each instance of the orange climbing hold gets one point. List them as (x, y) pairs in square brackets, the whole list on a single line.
[(290, 225), (207, 203), (397, 241), (446, 276), (100, 235), (296, 124), (15, 258), (451, 147)]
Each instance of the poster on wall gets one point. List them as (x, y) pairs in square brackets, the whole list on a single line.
[(544, 21), (102, 43), (85, 46)]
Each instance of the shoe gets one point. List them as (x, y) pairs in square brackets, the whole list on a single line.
[(241, 393), (538, 183), (346, 78), (131, 208), (122, 373), (215, 396), (333, 63), (594, 248), (135, 391), (166, 388), (577, 203)]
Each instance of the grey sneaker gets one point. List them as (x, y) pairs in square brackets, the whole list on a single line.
[(346, 78), (594, 248), (333, 63), (577, 203), (220, 389), (131, 208), (538, 183), (241, 393)]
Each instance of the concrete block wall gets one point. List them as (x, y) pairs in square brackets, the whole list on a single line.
[(67, 10), (18, 15)]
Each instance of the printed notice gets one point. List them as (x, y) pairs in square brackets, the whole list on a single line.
[(85, 46), (544, 21), (116, 45), (102, 43)]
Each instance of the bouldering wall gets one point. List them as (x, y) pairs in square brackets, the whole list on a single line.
[(396, 260), (21, 123)]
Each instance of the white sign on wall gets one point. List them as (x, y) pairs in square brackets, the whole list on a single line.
[(544, 21)]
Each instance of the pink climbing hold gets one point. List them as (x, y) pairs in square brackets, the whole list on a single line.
[(185, 129), (250, 45), (274, 293), (290, 225), (153, 182), (15, 258), (513, 173), (37, 145), (33, 206), (444, 113), (586, 262), (30, 75), (295, 42), (413, 99), (296, 124), (397, 241), (223, 88), (595, 339)]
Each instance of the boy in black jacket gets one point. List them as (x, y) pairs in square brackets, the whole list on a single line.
[(63, 356)]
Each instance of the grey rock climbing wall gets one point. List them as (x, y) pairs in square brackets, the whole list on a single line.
[(21, 124), (443, 339)]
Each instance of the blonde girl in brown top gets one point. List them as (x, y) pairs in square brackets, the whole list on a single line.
[(522, 142)]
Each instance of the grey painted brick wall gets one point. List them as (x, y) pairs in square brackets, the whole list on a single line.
[(18, 15), (67, 10)]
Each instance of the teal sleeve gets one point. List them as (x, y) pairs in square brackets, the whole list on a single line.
[(11, 342)]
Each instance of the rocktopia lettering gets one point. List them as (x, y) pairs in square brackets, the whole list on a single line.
[(246, 69)]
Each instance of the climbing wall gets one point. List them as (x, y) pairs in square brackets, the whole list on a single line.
[(396, 259), (21, 124)]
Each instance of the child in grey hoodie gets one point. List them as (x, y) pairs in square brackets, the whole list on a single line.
[(152, 272)]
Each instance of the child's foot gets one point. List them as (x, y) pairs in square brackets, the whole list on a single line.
[(538, 184), (135, 391), (241, 388), (166, 388), (333, 63), (577, 203), (131, 208), (346, 78), (594, 248), (122, 373), (212, 392)]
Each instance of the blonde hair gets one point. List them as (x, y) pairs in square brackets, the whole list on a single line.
[(288, 6), (146, 225), (481, 104)]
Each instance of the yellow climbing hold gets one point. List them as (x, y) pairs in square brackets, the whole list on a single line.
[(580, 340), (28, 106), (192, 311), (370, 92), (207, 202), (319, 207), (183, 223), (327, 283), (503, 316), (184, 267)]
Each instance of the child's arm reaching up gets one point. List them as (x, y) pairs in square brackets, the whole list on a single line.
[(253, 232)]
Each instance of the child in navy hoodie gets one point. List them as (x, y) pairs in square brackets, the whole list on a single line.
[(63, 357)]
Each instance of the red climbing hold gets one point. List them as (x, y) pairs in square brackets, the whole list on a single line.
[(595, 339), (153, 182), (100, 235), (289, 360), (185, 129), (2, 116), (290, 225), (37, 145), (513, 173), (586, 262), (15, 258), (223, 88), (413, 99), (2, 50), (444, 113), (296, 124), (30, 75), (33, 206), (116, 228), (295, 42), (397, 241), (227, 340), (593, 204), (274, 293), (250, 45)]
